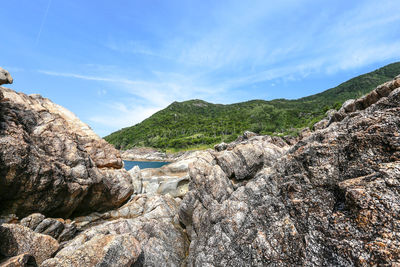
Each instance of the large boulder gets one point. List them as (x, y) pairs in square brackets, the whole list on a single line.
[(332, 200), (18, 239), (53, 163), (5, 77)]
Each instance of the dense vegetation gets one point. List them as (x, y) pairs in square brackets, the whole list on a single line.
[(197, 123)]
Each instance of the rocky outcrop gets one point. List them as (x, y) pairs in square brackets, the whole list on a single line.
[(5, 77), (151, 220), (332, 200), (52, 163), (17, 240), (100, 250)]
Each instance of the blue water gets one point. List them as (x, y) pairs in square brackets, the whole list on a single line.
[(143, 164)]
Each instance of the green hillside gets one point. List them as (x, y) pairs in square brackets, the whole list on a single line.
[(195, 122)]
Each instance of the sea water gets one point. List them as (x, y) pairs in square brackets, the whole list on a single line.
[(144, 164)]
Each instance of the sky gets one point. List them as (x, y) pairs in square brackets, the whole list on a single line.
[(115, 63)]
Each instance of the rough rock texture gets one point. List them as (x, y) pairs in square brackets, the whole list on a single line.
[(5, 77), (152, 220), (17, 239), (332, 200), (52, 163), (100, 250), (23, 260), (60, 229)]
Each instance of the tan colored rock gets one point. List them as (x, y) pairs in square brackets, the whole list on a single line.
[(23, 260), (100, 250), (53, 162), (5, 77), (17, 239)]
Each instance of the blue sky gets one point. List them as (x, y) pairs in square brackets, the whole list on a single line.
[(114, 63)]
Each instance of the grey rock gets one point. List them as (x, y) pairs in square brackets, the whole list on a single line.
[(53, 163), (33, 220), (152, 220), (332, 200), (99, 250), (61, 230), (5, 77), (349, 106), (220, 147), (248, 134), (322, 124), (174, 187)]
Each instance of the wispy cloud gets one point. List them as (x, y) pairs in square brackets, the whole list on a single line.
[(237, 47)]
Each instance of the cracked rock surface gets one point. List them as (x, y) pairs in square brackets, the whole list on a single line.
[(52, 163), (332, 200)]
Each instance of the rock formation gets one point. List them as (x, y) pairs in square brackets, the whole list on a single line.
[(52, 163), (17, 240), (332, 200), (329, 198), (151, 220)]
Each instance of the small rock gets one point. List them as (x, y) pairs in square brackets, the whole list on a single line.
[(220, 147), (349, 106), (5, 77), (33, 220), (321, 125), (248, 134)]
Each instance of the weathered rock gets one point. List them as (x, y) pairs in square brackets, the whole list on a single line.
[(99, 250), (220, 147), (247, 158), (33, 220), (322, 124), (52, 163), (23, 260), (18, 239), (152, 220), (136, 180), (5, 77), (332, 200), (349, 106), (177, 187), (56, 228)]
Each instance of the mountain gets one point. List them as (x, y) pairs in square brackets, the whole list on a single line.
[(196, 123)]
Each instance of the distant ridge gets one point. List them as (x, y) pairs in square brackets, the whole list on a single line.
[(198, 123)]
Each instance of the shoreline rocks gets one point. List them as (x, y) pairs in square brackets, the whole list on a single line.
[(52, 163), (331, 200)]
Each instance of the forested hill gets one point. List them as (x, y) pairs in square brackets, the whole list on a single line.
[(195, 122)]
